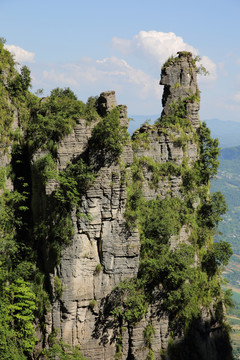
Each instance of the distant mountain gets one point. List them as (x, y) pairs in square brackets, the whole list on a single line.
[(232, 153), (228, 132)]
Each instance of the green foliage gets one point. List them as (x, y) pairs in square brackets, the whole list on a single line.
[(209, 151), (148, 333), (194, 97), (185, 287), (9, 346), (134, 190), (22, 307), (170, 61), (108, 136), (17, 309), (150, 355), (192, 60), (161, 219), (134, 198), (218, 256), (177, 116), (130, 301), (58, 287), (201, 70), (90, 113), (228, 300), (54, 117), (212, 209), (180, 291), (53, 232), (119, 354), (141, 139), (160, 170), (13, 89), (2, 177), (92, 304), (169, 274), (177, 85), (11, 211), (98, 269), (73, 182), (63, 94), (21, 82), (46, 168), (54, 229), (59, 350)]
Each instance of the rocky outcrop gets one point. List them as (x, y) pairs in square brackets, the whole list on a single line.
[(103, 250), (106, 102), (179, 78)]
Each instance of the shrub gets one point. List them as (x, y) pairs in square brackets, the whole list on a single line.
[(92, 304), (108, 136), (98, 269), (58, 287), (130, 301)]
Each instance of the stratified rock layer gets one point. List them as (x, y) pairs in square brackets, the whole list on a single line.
[(101, 235)]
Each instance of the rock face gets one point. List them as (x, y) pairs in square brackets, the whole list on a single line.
[(180, 81), (103, 250), (106, 102)]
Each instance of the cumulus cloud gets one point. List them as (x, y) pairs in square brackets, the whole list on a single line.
[(134, 75), (156, 47), (21, 55), (112, 72)]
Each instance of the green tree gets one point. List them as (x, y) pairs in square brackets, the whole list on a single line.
[(22, 308), (53, 117), (108, 136), (212, 209), (218, 256), (209, 151)]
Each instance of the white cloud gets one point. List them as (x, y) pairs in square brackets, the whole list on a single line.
[(20, 54), (156, 47), (110, 73), (134, 76)]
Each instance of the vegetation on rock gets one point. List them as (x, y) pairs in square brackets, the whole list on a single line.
[(180, 279)]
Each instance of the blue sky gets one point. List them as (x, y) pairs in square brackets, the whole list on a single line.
[(105, 45)]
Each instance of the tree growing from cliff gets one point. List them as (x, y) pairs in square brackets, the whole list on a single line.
[(209, 151)]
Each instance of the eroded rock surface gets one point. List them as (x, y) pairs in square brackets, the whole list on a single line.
[(103, 250)]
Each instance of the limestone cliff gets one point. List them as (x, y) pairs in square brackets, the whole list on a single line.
[(104, 251), (122, 228)]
